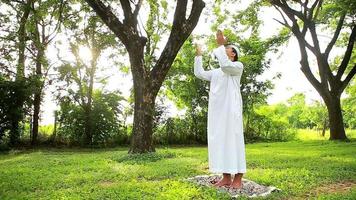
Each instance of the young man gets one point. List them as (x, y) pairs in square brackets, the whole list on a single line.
[(226, 146)]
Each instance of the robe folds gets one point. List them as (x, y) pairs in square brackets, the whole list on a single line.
[(226, 145)]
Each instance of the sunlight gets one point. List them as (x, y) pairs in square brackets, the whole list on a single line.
[(85, 54)]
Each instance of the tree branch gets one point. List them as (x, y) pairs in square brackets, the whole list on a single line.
[(126, 7), (305, 65), (303, 44), (284, 5), (110, 20), (137, 9), (348, 78), (311, 13), (347, 56), (181, 30), (336, 35), (286, 24)]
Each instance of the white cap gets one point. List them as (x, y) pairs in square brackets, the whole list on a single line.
[(234, 47)]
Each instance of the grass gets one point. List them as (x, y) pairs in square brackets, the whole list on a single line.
[(308, 134), (302, 169)]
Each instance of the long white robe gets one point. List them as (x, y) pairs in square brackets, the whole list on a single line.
[(226, 146)]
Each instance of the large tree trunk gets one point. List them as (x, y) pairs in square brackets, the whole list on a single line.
[(141, 138), (337, 129)]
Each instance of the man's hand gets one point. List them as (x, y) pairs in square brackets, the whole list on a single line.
[(220, 38), (198, 51)]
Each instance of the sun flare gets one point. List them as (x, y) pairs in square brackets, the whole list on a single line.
[(85, 53)]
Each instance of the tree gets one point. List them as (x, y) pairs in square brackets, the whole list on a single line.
[(83, 71), (147, 80), (44, 25), (14, 42), (308, 18), (319, 116), (12, 92), (298, 112), (105, 119)]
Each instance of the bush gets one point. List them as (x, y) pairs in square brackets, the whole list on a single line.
[(190, 129), (266, 125), (104, 118)]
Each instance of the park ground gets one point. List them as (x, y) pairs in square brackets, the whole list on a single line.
[(311, 167)]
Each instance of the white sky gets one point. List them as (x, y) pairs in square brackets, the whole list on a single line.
[(292, 80)]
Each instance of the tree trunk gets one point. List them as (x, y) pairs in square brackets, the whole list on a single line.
[(14, 134), (36, 113), (38, 95), (88, 136), (337, 129), (324, 127), (20, 75), (88, 140), (54, 134), (141, 137)]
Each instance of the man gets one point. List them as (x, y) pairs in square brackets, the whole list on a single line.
[(226, 146)]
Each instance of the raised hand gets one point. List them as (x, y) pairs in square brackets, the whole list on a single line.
[(198, 51), (220, 40)]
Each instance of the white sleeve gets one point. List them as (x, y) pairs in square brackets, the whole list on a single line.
[(199, 70), (227, 66)]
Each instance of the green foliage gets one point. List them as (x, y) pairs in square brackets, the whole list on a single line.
[(269, 124), (11, 93), (349, 106), (294, 114), (191, 93), (107, 129), (298, 113), (189, 129), (187, 92), (156, 26)]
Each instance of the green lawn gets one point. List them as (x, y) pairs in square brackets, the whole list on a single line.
[(302, 169)]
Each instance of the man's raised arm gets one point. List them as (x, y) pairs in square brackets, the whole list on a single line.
[(198, 66), (227, 66)]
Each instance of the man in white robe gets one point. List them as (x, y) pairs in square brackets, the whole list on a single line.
[(226, 146)]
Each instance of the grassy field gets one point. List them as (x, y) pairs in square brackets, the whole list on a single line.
[(306, 168)]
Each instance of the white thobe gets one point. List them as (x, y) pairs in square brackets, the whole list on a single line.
[(226, 146)]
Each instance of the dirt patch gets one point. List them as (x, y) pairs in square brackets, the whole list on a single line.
[(106, 183), (336, 187)]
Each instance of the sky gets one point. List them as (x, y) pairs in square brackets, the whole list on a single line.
[(286, 63)]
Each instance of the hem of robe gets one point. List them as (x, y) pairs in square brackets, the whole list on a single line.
[(212, 170)]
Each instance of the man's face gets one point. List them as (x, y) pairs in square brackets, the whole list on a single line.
[(229, 52)]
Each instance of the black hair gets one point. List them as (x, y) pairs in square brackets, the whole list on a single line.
[(236, 56)]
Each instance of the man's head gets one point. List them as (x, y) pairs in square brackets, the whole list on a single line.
[(232, 52)]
